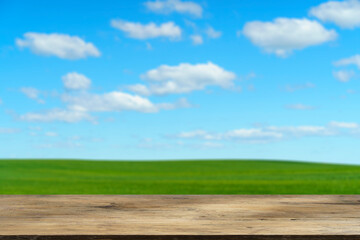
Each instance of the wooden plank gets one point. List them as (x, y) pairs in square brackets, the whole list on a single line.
[(155, 217), (183, 237)]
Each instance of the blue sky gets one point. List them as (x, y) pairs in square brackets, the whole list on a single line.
[(172, 79)]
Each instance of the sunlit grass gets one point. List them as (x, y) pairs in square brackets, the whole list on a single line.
[(176, 177)]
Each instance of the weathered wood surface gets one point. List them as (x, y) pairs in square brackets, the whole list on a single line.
[(191, 217)]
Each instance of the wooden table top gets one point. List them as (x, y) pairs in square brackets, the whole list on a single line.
[(180, 217)]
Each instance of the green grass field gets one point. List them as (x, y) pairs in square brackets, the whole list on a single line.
[(176, 177)]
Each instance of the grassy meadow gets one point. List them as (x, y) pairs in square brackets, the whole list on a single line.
[(176, 177)]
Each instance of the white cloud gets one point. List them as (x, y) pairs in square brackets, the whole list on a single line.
[(354, 60), (113, 101), (183, 78), (117, 101), (253, 135), (343, 75), (293, 88), (140, 89), (191, 24), (181, 103), (273, 133), (8, 130), (248, 135), (197, 39), (212, 33), (298, 131), (76, 81), (345, 14), (62, 115), (146, 31), (35, 128), (148, 46), (51, 134), (250, 75), (80, 105), (284, 35), (60, 45), (299, 106), (198, 134), (32, 93), (169, 6), (344, 124)]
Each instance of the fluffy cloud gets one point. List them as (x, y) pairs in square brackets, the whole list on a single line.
[(76, 81), (146, 31), (169, 6), (32, 93), (294, 88), (81, 105), (273, 133), (51, 134), (253, 135), (8, 130), (343, 75), (198, 134), (139, 89), (248, 135), (298, 131), (350, 125), (118, 101), (299, 106), (183, 78), (212, 33), (197, 39), (284, 35), (60, 45), (62, 115), (113, 101), (181, 103), (148, 46), (354, 60), (345, 14)]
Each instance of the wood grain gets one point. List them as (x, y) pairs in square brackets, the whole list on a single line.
[(186, 217)]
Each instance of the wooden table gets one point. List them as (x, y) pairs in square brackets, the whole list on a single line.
[(180, 217)]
